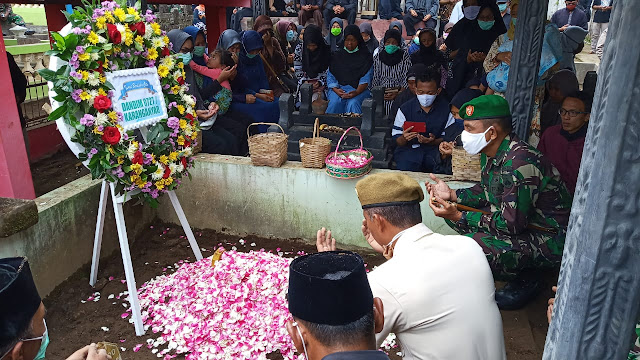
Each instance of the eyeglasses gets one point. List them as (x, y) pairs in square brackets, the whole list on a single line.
[(46, 330), (572, 113)]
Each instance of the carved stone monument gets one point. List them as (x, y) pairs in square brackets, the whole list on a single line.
[(596, 308)]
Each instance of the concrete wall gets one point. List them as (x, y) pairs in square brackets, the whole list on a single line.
[(229, 194), (62, 240)]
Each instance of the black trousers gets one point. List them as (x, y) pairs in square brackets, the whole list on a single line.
[(328, 14), (410, 22)]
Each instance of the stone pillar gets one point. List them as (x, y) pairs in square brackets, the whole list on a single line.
[(599, 286), (525, 63)]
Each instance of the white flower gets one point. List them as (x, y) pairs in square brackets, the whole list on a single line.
[(168, 62), (188, 130), (157, 175), (189, 100), (95, 56), (180, 168), (122, 31), (102, 119), (93, 94), (187, 151), (102, 40), (148, 32), (173, 167), (132, 150), (93, 79), (157, 42)]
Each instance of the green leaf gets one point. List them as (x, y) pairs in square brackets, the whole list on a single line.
[(47, 74), (60, 44), (108, 46), (61, 96), (162, 135), (109, 85), (71, 41), (58, 113)]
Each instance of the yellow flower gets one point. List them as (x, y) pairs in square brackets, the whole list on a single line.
[(128, 37), (194, 136), (175, 89), (93, 38), (96, 131), (141, 183), (109, 17), (134, 178), (140, 40), (101, 22), (180, 109), (183, 123), (173, 156), (181, 140), (165, 39), (180, 65), (113, 116), (156, 28), (132, 11), (163, 71), (120, 14), (136, 168), (159, 185), (168, 181), (106, 64), (84, 96), (103, 79), (153, 54), (102, 92), (164, 159), (85, 75), (84, 57), (121, 159), (110, 148)]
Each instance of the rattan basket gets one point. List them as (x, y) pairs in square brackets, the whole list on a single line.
[(268, 149), (198, 145), (314, 150), (465, 166), (336, 166)]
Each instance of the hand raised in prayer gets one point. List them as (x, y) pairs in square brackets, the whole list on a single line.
[(324, 241), (446, 148), (440, 189), (413, 13), (370, 239), (550, 303), (90, 352), (426, 139), (444, 209)]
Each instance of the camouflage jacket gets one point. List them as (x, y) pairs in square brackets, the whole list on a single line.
[(519, 187)]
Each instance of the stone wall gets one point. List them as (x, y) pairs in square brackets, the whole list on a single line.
[(174, 16)]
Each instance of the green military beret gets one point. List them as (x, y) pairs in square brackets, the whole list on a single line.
[(388, 189), (485, 107)]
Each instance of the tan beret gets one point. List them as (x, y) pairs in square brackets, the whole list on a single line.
[(388, 189)]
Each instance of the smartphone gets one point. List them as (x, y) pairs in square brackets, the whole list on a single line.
[(418, 127)]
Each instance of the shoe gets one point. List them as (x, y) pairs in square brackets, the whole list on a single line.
[(29, 32), (516, 294)]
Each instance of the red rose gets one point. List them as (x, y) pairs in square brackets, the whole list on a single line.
[(180, 80), (189, 116), (137, 158), (187, 143), (184, 161), (167, 172), (138, 27), (111, 135), (102, 103), (166, 52), (100, 69), (114, 34)]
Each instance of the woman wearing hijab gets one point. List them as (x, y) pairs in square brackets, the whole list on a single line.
[(470, 40), (390, 66), (215, 139), (315, 58), (396, 25), (430, 56), (230, 40), (369, 38), (285, 32), (274, 60), (251, 91), (349, 74), (335, 38), (440, 42)]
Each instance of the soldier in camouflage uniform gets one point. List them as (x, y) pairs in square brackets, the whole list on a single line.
[(525, 205), (8, 17)]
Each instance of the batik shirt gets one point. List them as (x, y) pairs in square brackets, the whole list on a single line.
[(519, 186)]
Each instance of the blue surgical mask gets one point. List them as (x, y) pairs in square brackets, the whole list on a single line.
[(390, 49), (251, 56), (186, 57), (471, 12), (502, 7), (291, 35), (43, 344), (198, 51), (350, 51), (486, 25)]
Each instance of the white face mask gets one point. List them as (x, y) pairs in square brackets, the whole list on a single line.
[(471, 12), (426, 100), (474, 143), (306, 356)]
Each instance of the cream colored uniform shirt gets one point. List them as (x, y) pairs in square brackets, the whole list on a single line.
[(438, 297)]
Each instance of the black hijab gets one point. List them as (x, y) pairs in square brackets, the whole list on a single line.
[(429, 56), (396, 57), (349, 68), (373, 43), (467, 35), (314, 62)]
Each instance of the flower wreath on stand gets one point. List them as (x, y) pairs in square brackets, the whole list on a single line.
[(106, 37)]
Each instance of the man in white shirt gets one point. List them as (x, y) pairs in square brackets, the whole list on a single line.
[(437, 290)]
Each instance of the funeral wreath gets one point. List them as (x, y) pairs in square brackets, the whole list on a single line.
[(105, 39)]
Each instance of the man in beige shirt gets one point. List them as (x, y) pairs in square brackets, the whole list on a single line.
[(437, 290)]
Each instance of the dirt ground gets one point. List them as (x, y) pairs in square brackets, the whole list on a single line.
[(73, 324), (55, 171)]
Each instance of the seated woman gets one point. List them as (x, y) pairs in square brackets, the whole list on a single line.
[(335, 38), (349, 74), (274, 61), (429, 55), (315, 57), (251, 92), (369, 37), (286, 33), (215, 139), (390, 65)]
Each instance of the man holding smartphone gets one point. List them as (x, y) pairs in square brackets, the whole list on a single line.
[(419, 124)]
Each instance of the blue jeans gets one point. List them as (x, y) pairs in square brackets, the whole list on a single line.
[(338, 105)]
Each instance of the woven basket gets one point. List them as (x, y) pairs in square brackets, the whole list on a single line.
[(268, 149), (314, 150), (336, 166), (465, 166), (198, 147)]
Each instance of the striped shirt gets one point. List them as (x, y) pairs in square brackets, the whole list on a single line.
[(390, 76)]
